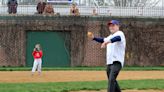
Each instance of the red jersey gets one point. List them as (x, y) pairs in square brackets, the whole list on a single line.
[(37, 54)]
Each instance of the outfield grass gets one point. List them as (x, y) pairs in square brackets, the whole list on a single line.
[(75, 86), (158, 68)]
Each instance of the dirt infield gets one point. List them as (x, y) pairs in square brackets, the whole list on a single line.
[(67, 76), (126, 91)]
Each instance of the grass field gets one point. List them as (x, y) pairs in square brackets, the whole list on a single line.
[(54, 86), (161, 68), (75, 86)]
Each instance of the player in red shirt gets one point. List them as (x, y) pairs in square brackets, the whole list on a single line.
[(37, 54)]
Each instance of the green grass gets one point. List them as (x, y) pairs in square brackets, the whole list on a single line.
[(75, 86), (158, 68)]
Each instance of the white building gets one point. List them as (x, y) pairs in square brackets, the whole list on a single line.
[(24, 2), (79, 2), (92, 2)]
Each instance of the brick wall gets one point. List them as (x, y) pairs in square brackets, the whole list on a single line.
[(145, 38)]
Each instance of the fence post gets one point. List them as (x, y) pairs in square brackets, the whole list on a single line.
[(162, 7)]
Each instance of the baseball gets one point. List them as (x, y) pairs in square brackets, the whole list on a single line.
[(90, 34)]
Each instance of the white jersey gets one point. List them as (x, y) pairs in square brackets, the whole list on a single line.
[(116, 50)]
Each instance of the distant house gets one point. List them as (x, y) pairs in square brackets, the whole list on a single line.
[(21, 2)]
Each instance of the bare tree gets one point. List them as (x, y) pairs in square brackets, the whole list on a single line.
[(133, 3)]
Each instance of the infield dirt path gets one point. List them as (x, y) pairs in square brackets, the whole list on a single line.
[(67, 76), (126, 91)]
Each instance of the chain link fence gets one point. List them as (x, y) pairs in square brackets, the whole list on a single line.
[(88, 10), (152, 8)]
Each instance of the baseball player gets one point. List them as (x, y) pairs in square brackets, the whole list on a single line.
[(115, 44), (37, 54)]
